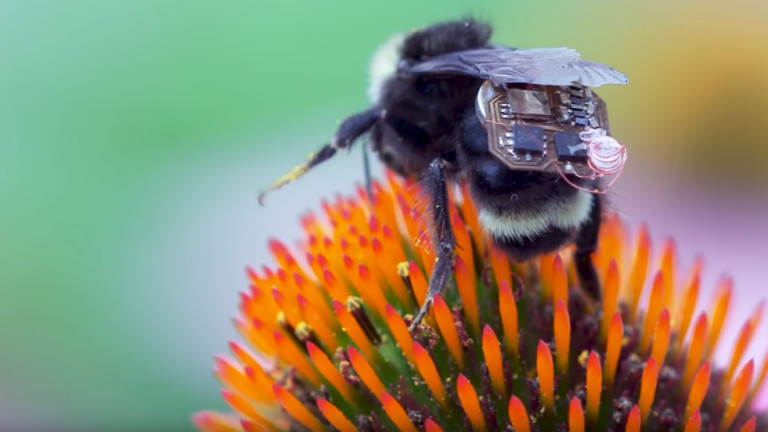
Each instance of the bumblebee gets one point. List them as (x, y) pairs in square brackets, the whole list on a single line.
[(521, 127)]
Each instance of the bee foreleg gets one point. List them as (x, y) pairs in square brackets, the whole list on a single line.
[(349, 130), (586, 244), (354, 126), (433, 182)]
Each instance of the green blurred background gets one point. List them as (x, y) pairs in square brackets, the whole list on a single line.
[(134, 135)]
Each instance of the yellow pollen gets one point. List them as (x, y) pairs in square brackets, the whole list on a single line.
[(303, 331), (583, 356), (403, 269)]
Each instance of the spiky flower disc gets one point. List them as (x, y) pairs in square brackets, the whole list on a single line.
[(508, 347)]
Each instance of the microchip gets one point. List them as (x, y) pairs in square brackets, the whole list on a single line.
[(528, 139), (570, 148)]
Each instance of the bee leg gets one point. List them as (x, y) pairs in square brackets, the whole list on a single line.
[(586, 244), (433, 181), (349, 130), (367, 172), (354, 126)]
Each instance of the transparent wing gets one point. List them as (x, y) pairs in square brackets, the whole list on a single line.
[(501, 65)]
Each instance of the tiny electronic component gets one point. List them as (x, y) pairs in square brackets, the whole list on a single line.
[(555, 129)]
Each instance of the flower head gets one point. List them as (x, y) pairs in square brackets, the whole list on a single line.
[(507, 346)]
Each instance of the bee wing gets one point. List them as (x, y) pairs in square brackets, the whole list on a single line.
[(502, 65)]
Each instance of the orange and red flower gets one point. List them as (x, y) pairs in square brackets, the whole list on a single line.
[(328, 347)]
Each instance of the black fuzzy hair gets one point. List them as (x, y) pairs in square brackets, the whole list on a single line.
[(445, 38)]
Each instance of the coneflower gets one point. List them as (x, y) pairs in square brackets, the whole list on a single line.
[(508, 347)]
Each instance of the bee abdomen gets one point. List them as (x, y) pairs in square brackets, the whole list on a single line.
[(525, 233), (525, 248)]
